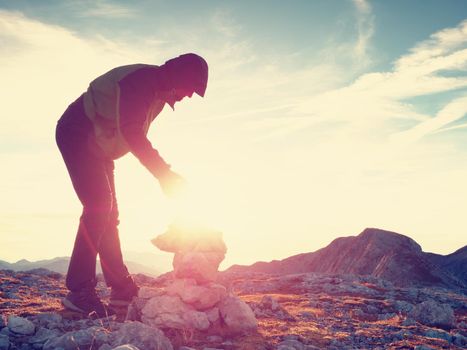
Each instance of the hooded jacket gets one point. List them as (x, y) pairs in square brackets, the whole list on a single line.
[(121, 105)]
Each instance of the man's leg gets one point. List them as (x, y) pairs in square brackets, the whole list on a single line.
[(89, 178), (115, 272)]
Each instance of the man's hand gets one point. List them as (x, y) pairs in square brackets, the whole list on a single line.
[(171, 183)]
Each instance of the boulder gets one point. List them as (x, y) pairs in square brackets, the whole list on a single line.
[(20, 325), (202, 266), (166, 320), (198, 250), (182, 237), (83, 338), (200, 297), (126, 347), (4, 342), (431, 313), (141, 336), (213, 315), (237, 315), (48, 320), (403, 306), (197, 320), (290, 344), (170, 312), (164, 304), (43, 335), (148, 292)]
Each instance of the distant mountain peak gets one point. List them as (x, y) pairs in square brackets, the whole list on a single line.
[(379, 253), (23, 261), (388, 239)]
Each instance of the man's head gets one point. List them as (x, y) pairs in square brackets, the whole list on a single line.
[(187, 74)]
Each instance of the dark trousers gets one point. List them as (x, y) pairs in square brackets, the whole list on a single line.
[(93, 180)]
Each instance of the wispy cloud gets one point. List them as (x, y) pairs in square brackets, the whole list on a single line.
[(380, 97), (222, 21), (454, 110), (365, 23), (104, 9)]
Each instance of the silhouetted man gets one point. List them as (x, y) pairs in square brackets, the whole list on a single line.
[(109, 120)]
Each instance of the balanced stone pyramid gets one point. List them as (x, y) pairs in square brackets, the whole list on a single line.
[(191, 299)]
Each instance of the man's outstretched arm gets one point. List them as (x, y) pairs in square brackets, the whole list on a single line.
[(134, 103)]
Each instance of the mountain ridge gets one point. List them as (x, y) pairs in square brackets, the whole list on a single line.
[(380, 253), (60, 265)]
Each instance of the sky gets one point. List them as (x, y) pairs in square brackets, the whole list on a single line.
[(321, 118)]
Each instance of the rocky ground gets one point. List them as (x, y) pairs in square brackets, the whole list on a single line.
[(294, 312)]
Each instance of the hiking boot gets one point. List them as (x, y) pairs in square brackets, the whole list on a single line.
[(123, 296), (87, 303)]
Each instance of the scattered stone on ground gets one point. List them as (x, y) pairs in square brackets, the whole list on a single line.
[(303, 311)]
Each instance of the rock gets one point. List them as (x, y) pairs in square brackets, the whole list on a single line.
[(2, 322), (201, 266), (237, 315), (200, 297), (141, 336), (185, 348), (197, 320), (43, 335), (78, 339), (184, 238), (126, 347), (386, 316), (270, 307), (213, 314), (408, 322), (214, 339), (198, 251), (164, 304), (423, 347), (48, 319), (105, 347), (403, 306), (290, 345), (4, 342), (269, 302), (431, 313), (20, 325), (170, 312), (459, 340), (434, 333), (148, 292), (166, 321)]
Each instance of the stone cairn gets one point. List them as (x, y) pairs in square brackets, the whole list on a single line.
[(190, 298)]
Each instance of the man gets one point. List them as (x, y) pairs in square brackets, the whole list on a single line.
[(109, 120)]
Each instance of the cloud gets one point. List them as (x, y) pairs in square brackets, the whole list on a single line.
[(378, 99), (365, 26), (454, 110), (429, 53), (43, 68), (104, 9), (363, 6), (223, 22)]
